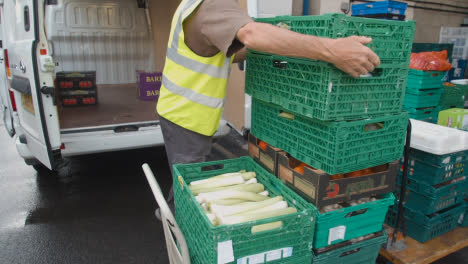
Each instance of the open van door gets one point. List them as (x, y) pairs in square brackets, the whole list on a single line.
[(5, 103), (32, 81)]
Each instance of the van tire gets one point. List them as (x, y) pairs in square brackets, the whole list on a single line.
[(38, 166), (41, 169)]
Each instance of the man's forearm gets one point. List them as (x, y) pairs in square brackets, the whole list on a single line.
[(268, 38), (348, 54)]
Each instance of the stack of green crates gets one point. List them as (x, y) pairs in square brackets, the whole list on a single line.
[(336, 123), (435, 193), (423, 93)]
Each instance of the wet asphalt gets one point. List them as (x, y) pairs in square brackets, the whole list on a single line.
[(96, 209)]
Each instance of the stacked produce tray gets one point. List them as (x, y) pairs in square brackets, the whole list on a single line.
[(429, 199), (339, 137), (355, 251), (436, 181), (77, 88), (427, 114), (391, 40), (351, 222), (453, 96), (334, 147), (426, 227), (291, 243), (319, 90)]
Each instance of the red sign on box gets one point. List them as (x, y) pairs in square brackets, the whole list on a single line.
[(148, 85)]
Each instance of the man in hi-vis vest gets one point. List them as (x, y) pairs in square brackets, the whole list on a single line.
[(207, 36)]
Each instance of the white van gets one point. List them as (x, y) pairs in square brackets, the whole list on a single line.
[(114, 39)]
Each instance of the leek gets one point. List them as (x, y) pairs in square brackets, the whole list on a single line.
[(253, 187), (221, 210), (232, 220)]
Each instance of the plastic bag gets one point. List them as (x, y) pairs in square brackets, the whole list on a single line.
[(430, 61)]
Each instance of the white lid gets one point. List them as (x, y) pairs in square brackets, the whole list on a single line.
[(435, 139), (460, 82)]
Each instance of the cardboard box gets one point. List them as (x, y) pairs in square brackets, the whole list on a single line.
[(148, 85), (265, 157), (317, 187)]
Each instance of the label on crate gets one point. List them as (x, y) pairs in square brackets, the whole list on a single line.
[(267, 256), (286, 175), (225, 252), (336, 233), (267, 161)]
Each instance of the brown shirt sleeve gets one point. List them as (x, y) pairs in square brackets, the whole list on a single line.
[(213, 27)]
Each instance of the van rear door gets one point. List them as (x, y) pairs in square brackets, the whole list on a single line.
[(33, 87), (5, 103)]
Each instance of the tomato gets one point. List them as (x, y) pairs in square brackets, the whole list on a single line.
[(263, 145)]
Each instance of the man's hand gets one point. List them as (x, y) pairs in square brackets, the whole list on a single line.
[(351, 56)]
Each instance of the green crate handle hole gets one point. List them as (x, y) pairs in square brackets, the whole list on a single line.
[(347, 253)]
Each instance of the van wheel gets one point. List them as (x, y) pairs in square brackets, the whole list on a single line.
[(38, 166), (41, 169)]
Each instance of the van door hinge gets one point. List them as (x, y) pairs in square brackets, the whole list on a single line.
[(49, 91)]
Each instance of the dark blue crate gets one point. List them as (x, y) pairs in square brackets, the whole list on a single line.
[(382, 7), (458, 70)]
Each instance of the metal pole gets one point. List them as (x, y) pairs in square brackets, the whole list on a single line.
[(401, 209)]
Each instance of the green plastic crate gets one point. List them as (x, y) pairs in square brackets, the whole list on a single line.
[(391, 40), (439, 160), (456, 117), (424, 228), (363, 252), (425, 79), (445, 106), (429, 199), (454, 95), (319, 90), (427, 114), (426, 98), (295, 236), (334, 147), (351, 222), (430, 173), (463, 221)]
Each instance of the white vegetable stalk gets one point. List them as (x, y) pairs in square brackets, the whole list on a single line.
[(273, 207), (230, 194), (218, 183), (265, 193), (253, 180), (227, 202), (245, 175), (253, 187), (232, 220), (221, 210)]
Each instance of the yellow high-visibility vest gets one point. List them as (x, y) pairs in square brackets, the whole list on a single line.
[(193, 87)]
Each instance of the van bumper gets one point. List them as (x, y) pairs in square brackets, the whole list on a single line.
[(83, 143)]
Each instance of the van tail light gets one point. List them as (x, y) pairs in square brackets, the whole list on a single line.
[(7, 63), (12, 99)]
